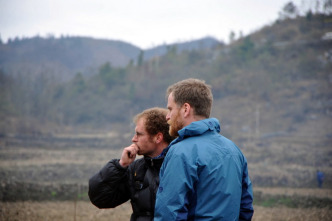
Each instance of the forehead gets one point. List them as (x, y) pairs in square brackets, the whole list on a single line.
[(170, 100), (140, 124)]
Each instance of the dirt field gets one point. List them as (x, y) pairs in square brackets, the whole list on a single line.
[(48, 171), (306, 192), (85, 211)]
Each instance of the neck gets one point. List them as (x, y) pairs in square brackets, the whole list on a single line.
[(192, 119), (159, 150)]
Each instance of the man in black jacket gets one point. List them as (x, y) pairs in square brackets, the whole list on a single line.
[(138, 180)]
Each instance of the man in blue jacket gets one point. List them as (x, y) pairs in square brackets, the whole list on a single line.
[(204, 175)]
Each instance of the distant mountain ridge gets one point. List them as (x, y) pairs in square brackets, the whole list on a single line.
[(272, 95), (200, 44), (69, 55)]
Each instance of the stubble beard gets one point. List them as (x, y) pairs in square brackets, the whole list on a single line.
[(145, 151), (175, 125)]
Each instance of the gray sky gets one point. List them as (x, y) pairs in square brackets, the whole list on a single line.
[(144, 23)]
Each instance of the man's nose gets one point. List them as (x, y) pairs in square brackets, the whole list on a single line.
[(168, 117)]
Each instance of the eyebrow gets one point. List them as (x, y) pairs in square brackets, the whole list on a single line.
[(139, 133)]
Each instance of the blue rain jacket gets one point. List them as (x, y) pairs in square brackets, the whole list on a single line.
[(204, 176)]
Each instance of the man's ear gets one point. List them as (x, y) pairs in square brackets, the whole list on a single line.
[(186, 109), (159, 137)]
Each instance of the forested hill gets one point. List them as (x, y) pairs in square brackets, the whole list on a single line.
[(274, 81), (272, 94), (66, 56)]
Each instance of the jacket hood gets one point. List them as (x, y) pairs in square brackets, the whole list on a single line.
[(198, 128)]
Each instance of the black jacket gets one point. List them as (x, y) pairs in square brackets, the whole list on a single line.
[(114, 185)]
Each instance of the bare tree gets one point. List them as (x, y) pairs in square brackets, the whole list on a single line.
[(288, 11), (327, 7)]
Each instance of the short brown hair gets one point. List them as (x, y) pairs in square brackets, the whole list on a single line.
[(194, 92), (155, 122)]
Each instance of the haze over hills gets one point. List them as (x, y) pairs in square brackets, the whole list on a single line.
[(200, 44), (272, 94), (68, 55), (264, 65)]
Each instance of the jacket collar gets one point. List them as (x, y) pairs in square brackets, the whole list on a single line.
[(154, 162), (197, 128), (193, 129)]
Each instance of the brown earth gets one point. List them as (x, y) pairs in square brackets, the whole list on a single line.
[(85, 211)]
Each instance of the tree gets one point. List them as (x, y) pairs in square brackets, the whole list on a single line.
[(328, 7), (309, 15), (246, 49), (6, 106), (288, 11), (140, 58), (78, 83), (231, 37), (111, 76)]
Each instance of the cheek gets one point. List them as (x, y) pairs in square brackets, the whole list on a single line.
[(172, 116), (143, 142)]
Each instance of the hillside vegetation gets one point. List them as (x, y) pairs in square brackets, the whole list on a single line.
[(282, 71), (272, 94), (62, 58)]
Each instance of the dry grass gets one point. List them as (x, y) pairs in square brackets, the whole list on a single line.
[(44, 211), (293, 162), (307, 192), (287, 161), (85, 211), (21, 157), (291, 214)]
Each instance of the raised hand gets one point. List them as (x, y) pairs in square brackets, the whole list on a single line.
[(128, 155)]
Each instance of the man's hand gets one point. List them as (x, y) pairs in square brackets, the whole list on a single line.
[(128, 155)]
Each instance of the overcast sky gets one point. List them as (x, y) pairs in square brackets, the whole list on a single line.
[(144, 23)]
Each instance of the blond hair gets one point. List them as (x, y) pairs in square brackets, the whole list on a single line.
[(194, 92)]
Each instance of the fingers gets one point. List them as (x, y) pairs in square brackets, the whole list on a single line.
[(132, 150), (128, 155)]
